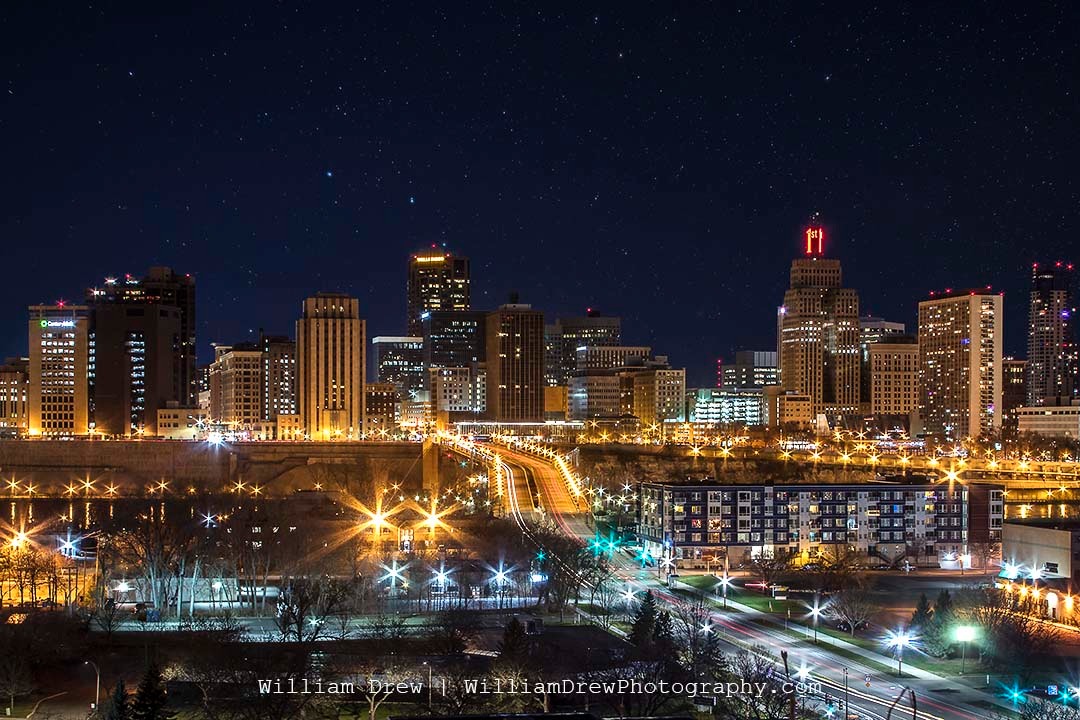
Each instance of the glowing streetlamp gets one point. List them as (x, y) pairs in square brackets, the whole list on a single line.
[(815, 612), (964, 634), (725, 582), (899, 640)]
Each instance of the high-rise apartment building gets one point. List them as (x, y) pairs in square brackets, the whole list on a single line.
[(58, 399), (330, 367), (14, 387), (751, 369), (818, 327), (400, 360), (893, 373), (438, 280), (960, 364), (278, 376), (608, 357), (563, 337), (1053, 355), (515, 363)]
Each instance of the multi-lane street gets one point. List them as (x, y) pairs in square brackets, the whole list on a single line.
[(937, 699)]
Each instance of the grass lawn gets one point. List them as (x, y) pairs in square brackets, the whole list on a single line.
[(700, 582)]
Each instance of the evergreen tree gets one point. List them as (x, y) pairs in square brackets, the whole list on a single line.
[(664, 634), (937, 635), (514, 646), (643, 629), (117, 707), (150, 700), (923, 614)]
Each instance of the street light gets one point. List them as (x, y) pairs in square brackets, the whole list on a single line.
[(815, 613), (964, 634), (899, 640), (724, 583), (97, 688)]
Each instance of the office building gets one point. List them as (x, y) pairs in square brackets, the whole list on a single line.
[(595, 357), (874, 330), (14, 387), (236, 387), (659, 395), (893, 372), (788, 410), (515, 363), (819, 335), (135, 361), (330, 348), (1060, 419), (1014, 395), (438, 280), (453, 338), (594, 395), (960, 359), (452, 389), (400, 360), (1053, 359), (164, 287), (382, 409), (58, 398), (751, 369), (563, 337), (726, 407), (923, 522), (182, 423), (278, 377), (1050, 547)]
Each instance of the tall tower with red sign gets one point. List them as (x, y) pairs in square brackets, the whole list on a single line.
[(819, 331)]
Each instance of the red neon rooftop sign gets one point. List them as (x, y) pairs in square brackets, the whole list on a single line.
[(815, 241)]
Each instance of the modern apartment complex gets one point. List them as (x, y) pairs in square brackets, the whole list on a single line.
[(890, 521)]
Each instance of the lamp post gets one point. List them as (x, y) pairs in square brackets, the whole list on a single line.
[(899, 640), (815, 613), (724, 582), (846, 712), (965, 634), (97, 687), (428, 684)]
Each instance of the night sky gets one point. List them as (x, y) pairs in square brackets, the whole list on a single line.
[(655, 161)]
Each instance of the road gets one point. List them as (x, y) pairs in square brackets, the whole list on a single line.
[(936, 700)]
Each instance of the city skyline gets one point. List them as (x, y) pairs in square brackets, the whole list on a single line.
[(307, 158)]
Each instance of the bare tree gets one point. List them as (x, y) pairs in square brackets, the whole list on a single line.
[(985, 553), (15, 678), (1012, 631), (853, 607), (768, 567)]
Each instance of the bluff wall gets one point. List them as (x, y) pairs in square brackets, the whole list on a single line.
[(50, 467)]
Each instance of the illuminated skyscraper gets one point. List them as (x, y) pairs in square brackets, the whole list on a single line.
[(330, 367), (515, 364), (400, 360), (438, 280), (819, 332), (960, 364), (1052, 348), (58, 398)]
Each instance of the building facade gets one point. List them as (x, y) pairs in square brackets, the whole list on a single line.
[(237, 387), (438, 280), (330, 367), (727, 406), (400, 360), (382, 409), (917, 521), (1053, 355), (515, 364), (893, 371), (14, 388), (278, 377), (1014, 395), (751, 369), (563, 337), (58, 397), (960, 364), (819, 335), (136, 359), (1059, 420), (659, 395), (453, 338)]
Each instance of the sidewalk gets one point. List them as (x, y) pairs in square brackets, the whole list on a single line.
[(956, 689)]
